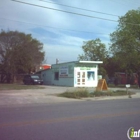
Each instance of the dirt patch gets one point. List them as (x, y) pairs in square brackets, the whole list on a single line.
[(33, 96)]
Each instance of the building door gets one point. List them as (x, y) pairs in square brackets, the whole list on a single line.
[(81, 78)]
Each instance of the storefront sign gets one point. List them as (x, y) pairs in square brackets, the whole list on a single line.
[(63, 71), (102, 85), (86, 65), (85, 68)]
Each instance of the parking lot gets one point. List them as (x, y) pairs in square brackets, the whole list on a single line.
[(34, 96), (48, 95)]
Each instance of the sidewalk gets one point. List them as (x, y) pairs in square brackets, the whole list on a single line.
[(49, 95)]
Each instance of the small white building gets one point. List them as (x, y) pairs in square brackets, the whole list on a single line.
[(75, 74)]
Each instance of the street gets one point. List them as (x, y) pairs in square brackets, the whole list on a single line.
[(97, 120)]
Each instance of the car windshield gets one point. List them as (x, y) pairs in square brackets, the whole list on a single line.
[(35, 76)]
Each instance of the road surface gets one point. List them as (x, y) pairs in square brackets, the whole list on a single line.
[(89, 120)]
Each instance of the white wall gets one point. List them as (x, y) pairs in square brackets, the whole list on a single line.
[(64, 82), (47, 77), (66, 74), (70, 74), (89, 82)]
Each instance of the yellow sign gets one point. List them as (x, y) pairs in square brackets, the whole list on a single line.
[(102, 85)]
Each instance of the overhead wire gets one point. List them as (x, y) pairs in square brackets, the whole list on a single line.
[(80, 8), (79, 14)]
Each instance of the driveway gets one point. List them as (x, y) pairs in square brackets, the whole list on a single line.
[(46, 95), (34, 96)]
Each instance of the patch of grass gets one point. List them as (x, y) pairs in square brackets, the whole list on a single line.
[(121, 92), (110, 93), (100, 93), (80, 93), (83, 93), (122, 86), (18, 87)]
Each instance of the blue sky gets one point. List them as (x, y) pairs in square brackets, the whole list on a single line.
[(62, 33)]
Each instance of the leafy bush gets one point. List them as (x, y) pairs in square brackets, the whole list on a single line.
[(80, 93), (101, 93)]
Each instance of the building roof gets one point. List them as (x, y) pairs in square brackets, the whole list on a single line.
[(77, 62), (93, 62), (89, 62), (45, 64)]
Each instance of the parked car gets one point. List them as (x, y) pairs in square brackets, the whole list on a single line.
[(32, 80)]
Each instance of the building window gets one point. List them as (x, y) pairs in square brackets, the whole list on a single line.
[(90, 75), (56, 76)]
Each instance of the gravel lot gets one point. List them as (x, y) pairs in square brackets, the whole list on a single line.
[(46, 95), (34, 96)]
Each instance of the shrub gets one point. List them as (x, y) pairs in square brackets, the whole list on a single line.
[(80, 93), (101, 93)]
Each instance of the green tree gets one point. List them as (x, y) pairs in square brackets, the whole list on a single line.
[(95, 50), (19, 53), (125, 41), (111, 66)]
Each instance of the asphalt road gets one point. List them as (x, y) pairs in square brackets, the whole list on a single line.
[(89, 120)]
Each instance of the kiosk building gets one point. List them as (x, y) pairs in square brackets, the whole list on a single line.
[(75, 74)]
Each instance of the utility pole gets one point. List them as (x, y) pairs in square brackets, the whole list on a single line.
[(57, 61)]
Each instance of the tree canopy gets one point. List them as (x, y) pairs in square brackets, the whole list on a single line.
[(125, 41), (95, 50), (19, 52), (124, 48)]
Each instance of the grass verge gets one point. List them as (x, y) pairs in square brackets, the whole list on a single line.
[(122, 86), (18, 87), (83, 93), (79, 93)]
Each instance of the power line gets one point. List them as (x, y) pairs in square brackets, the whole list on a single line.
[(80, 8), (79, 14), (52, 27)]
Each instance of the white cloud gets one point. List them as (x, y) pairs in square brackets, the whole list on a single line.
[(63, 53), (62, 44)]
